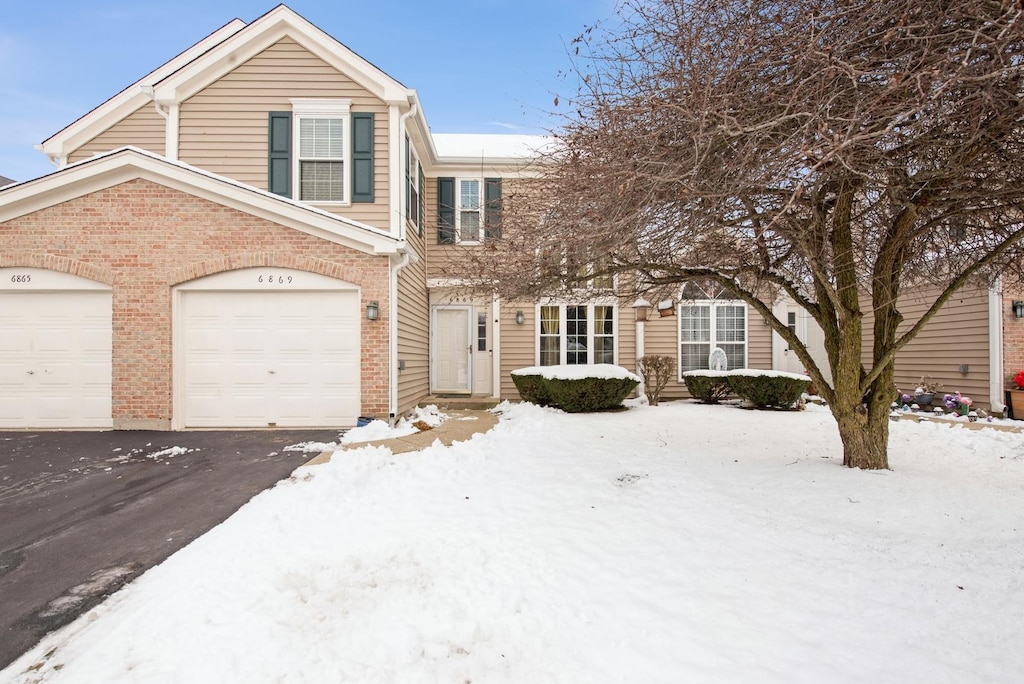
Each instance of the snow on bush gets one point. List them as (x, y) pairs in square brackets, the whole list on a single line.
[(575, 388)]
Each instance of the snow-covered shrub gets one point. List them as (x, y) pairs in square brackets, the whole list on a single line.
[(709, 386), (577, 388), (765, 388), (656, 370)]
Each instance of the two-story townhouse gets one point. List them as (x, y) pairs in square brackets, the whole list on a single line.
[(255, 234)]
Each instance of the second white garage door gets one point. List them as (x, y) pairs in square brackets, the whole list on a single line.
[(279, 355)]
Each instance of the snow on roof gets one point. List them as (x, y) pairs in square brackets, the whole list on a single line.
[(489, 145)]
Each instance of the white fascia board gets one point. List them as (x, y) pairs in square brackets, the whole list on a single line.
[(127, 164), (489, 168), (279, 23), (87, 127)]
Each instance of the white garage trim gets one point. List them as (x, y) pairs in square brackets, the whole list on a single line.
[(266, 347), (55, 350)]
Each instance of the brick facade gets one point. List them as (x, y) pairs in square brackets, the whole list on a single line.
[(1013, 335), (143, 238)]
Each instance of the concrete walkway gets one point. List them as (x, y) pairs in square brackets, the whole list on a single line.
[(460, 426)]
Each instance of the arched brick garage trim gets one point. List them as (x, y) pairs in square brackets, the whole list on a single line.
[(52, 262)]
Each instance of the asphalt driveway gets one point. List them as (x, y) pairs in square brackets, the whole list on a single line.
[(82, 513)]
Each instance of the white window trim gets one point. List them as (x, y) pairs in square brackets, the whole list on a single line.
[(414, 171), (563, 348), (481, 185), (340, 108), (714, 304)]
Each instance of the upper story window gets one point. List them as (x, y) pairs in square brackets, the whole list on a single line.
[(468, 210), (321, 159), (468, 223), (321, 152), (320, 168), (413, 187)]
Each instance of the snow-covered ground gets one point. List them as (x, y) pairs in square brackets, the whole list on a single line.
[(679, 543)]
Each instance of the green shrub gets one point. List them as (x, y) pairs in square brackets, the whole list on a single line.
[(710, 387), (768, 388), (575, 392), (533, 388), (656, 370)]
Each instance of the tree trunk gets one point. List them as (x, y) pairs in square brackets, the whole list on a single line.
[(865, 438)]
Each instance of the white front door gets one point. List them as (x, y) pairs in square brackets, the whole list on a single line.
[(797, 324), (55, 350), (453, 350)]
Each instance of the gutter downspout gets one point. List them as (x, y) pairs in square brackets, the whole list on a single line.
[(407, 256), (169, 112), (995, 346)]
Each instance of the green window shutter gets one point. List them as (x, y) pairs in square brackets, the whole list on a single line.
[(279, 157), (445, 211), (492, 208), (362, 157), (419, 169), (408, 176)]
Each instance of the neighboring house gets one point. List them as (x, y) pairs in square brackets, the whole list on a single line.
[(971, 345), (5, 181), (256, 234)]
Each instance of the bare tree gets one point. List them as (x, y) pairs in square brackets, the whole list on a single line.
[(832, 150)]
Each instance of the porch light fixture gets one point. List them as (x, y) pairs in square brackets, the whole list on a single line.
[(520, 318), (372, 311), (641, 306), (1018, 308)]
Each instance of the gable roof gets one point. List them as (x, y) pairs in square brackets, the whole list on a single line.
[(138, 94), (217, 55), (130, 163)]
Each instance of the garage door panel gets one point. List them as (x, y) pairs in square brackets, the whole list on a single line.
[(56, 349), (258, 359)]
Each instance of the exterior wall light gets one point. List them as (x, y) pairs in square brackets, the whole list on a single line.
[(1018, 308), (372, 311), (641, 306), (520, 318)]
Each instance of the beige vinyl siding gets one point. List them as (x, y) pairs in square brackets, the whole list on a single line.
[(518, 345), (958, 335), (413, 329), (143, 128), (443, 260), (223, 128), (661, 336)]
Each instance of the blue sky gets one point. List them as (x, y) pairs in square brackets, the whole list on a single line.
[(487, 66)]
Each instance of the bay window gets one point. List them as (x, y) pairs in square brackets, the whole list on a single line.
[(576, 334)]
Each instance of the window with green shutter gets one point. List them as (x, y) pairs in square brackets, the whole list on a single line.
[(321, 152), (279, 157), (471, 213)]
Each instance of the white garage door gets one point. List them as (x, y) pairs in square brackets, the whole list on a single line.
[(55, 344), (285, 354)]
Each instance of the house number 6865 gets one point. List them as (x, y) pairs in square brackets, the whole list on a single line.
[(21, 278), (271, 279)]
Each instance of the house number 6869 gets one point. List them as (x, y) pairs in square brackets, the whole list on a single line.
[(21, 278), (271, 279)]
